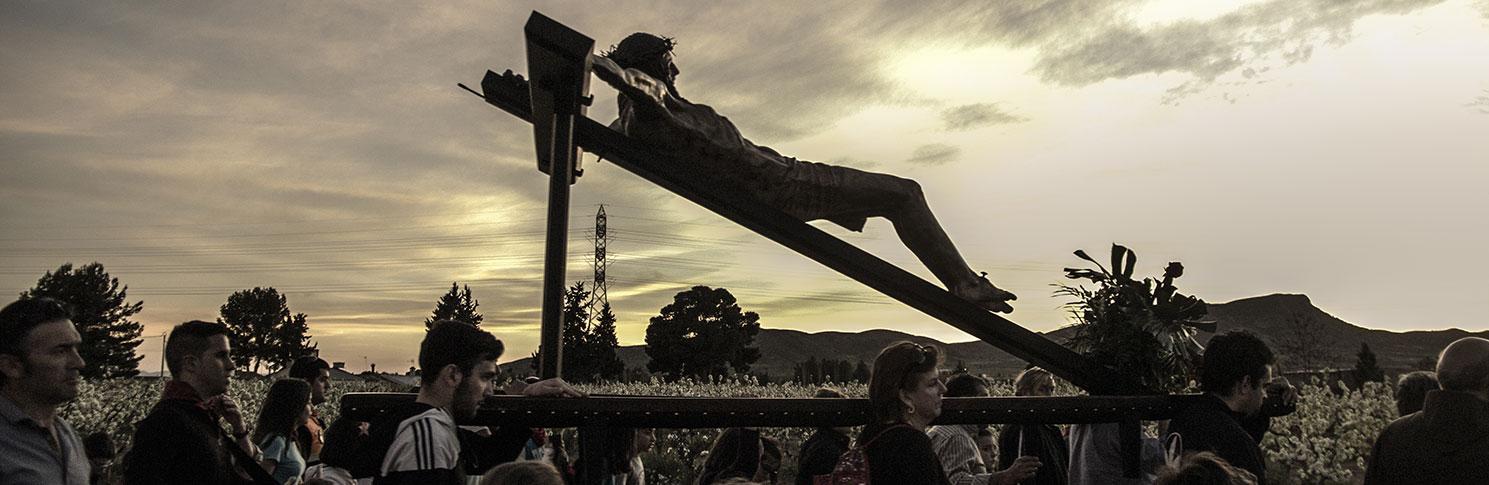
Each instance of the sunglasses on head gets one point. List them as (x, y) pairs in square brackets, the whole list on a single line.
[(924, 352)]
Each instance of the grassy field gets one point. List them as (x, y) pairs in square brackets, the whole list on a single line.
[(1326, 441)]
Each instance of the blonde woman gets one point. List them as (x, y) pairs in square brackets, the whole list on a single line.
[(1042, 441)]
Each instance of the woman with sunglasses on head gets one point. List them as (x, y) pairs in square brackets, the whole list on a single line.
[(905, 389)]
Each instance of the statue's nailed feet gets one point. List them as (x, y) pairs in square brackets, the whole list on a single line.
[(982, 293)]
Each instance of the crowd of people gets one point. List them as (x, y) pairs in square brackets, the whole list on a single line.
[(195, 433)]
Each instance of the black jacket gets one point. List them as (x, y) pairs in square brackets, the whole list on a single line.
[(819, 454), (1210, 425), (179, 442), (1447, 442), (901, 456), (1040, 440)]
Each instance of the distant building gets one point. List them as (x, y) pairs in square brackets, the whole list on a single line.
[(400, 380), (338, 373)]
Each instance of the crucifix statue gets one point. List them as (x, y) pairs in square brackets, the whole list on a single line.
[(642, 68)]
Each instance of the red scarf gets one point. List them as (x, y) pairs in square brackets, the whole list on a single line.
[(180, 390)]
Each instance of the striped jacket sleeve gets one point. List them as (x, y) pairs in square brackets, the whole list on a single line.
[(959, 457), (425, 450)]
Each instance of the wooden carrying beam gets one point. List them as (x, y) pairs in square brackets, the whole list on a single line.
[(688, 412), (558, 60), (510, 93)]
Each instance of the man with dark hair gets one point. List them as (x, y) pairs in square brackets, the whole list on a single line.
[(1412, 389), (965, 384), (1236, 367), (956, 444), (641, 67), (39, 371), (457, 363), (182, 440), (820, 452), (311, 435), (1447, 442)]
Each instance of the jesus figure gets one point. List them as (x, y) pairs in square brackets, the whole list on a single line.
[(641, 67)]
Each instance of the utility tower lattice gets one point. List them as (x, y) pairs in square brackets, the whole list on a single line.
[(598, 299)]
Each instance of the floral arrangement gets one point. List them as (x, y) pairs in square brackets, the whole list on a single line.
[(1140, 328)]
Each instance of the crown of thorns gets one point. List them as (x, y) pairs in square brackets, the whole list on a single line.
[(638, 48)]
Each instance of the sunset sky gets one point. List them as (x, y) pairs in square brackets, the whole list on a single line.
[(1330, 148)]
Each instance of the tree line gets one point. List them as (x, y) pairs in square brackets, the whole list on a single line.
[(702, 333), (265, 334), (829, 371)]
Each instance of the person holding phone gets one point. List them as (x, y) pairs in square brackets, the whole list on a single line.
[(1041, 441), (1236, 373), (956, 445)]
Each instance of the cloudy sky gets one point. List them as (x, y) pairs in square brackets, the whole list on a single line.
[(1336, 149)]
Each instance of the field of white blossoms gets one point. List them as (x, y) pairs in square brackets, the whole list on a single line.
[(1325, 441)]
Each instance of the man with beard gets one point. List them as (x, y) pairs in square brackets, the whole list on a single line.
[(457, 363), (1237, 366), (39, 368), (641, 67)]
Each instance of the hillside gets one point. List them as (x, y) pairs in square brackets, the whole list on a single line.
[(1268, 316)]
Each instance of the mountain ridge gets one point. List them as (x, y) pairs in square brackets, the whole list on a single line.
[(1269, 316)]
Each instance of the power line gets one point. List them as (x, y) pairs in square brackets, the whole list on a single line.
[(257, 235), (266, 223)]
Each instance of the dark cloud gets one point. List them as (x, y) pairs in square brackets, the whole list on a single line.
[(934, 154), (971, 116), (1278, 32), (781, 90), (1014, 23), (795, 70)]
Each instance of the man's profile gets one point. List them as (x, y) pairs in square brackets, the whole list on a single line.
[(641, 67)]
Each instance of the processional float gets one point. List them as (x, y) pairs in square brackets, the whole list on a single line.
[(554, 99)]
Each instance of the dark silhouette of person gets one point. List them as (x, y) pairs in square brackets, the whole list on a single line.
[(1447, 442)]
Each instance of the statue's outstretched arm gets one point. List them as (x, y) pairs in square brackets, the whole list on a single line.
[(647, 92)]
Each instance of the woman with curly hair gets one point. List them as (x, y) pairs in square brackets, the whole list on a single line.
[(905, 390)]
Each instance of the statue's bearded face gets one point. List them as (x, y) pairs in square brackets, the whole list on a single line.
[(669, 68)]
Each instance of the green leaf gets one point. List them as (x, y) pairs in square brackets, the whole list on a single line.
[(1079, 273), (1082, 254), (1123, 261)]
